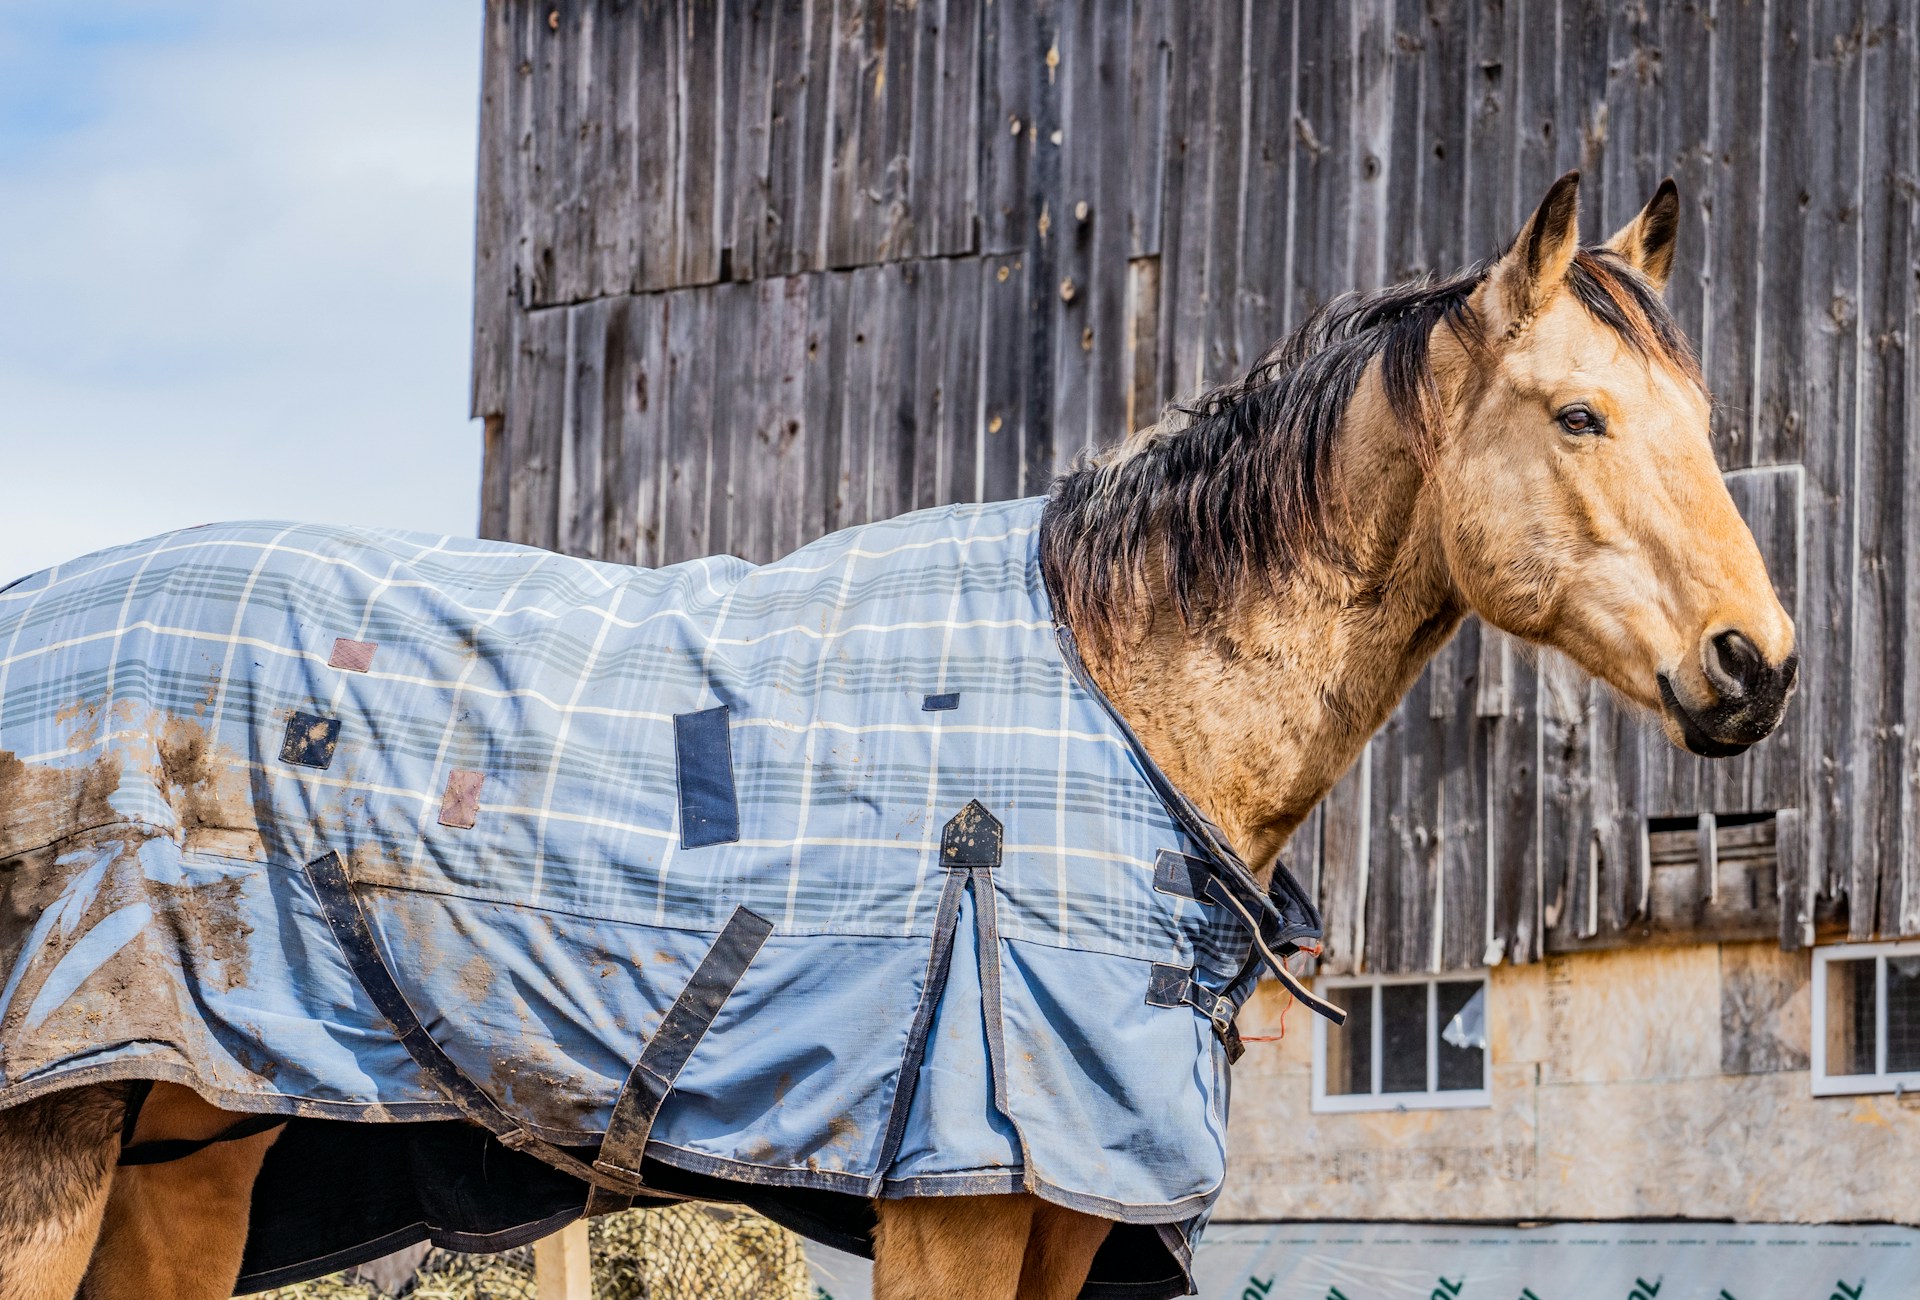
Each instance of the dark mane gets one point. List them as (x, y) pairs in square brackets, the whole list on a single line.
[(1231, 489)]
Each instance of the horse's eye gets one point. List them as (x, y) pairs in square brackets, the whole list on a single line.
[(1580, 419)]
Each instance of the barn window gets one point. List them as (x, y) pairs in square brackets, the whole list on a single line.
[(1410, 1043), (1866, 1018)]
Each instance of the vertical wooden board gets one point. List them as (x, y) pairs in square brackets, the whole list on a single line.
[(1683, 109), (637, 371), (582, 491), (658, 139), (1149, 54), (495, 471), (1038, 441), (847, 502), (829, 344), (1584, 72), (1566, 804), (901, 94), (946, 176), (935, 323), (1223, 228), (1404, 919), (1619, 818), (1631, 164), (769, 484), (1779, 411), (1737, 198), (1145, 398), (897, 383), (1266, 204), (618, 219), (955, 369), (698, 59), (1542, 124), (1769, 776), (858, 113), (785, 240), (1448, 89), (744, 320), (535, 406), (1073, 153), (1829, 339), (1185, 198), (1877, 671), (1105, 229), (1791, 880), (1460, 737), (1344, 887), (1323, 248), (1513, 818), (1370, 122), (747, 125), (495, 214), (688, 489), (1009, 54), (1491, 73), (546, 167), (1901, 377), (1407, 144), (1004, 376)]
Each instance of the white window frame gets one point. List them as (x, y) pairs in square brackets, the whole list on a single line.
[(1854, 1085), (1432, 1098)]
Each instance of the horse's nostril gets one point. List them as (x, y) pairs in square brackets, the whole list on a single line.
[(1739, 658)]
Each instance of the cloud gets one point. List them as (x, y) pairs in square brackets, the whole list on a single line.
[(235, 269)]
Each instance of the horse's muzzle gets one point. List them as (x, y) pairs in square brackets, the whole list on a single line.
[(1751, 697)]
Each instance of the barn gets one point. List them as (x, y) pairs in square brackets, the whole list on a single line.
[(751, 271)]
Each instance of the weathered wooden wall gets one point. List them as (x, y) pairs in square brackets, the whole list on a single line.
[(750, 271)]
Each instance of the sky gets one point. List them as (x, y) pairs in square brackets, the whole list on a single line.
[(236, 268)]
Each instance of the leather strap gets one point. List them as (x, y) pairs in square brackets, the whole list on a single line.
[(666, 1054)]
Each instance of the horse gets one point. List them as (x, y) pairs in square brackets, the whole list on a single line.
[(1251, 586)]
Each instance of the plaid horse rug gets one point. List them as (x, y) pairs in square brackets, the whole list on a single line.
[(846, 851)]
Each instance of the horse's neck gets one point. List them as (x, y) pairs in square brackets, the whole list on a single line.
[(1256, 720)]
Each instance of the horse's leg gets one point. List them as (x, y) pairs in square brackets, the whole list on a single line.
[(56, 1158), (950, 1247), (177, 1229), (1060, 1250)]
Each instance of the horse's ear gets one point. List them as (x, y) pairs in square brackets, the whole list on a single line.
[(1529, 271), (1646, 243)]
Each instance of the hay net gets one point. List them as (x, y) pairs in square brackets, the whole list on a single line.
[(683, 1252)]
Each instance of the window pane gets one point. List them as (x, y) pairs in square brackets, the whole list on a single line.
[(1850, 1017), (1903, 1014), (1350, 1046), (1462, 1014), (1403, 1038)]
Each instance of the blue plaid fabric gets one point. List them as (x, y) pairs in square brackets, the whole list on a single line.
[(485, 734)]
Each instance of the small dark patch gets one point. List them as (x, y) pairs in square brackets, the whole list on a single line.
[(940, 703), (310, 740)]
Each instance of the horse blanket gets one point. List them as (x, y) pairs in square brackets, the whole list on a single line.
[(983, 956)]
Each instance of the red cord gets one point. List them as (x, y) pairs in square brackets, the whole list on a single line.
[(1274, 1038)]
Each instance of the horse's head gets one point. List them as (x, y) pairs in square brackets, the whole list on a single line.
[(1581, 504)]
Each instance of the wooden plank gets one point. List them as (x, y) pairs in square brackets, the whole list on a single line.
[(1260, 297), (1003, 376), (1070, 157), (829, 339), (1770, 775), (1829, 340), (1881, 573), (950, 356), (659, 130), (751, 28), (1103, 226), (1189, 191), (1149, 55), (1896, 346), (794, 136), (494, 473), (563, 1264), (687, 490), (495, 215), (1370, 124), (947, 218), (1737, 199), (535, 406), (1345, 819), (1039, 452), (637, 368), (1566, 816), (583, 422), (1779, 428), (1142, 372), (1008, 58)]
